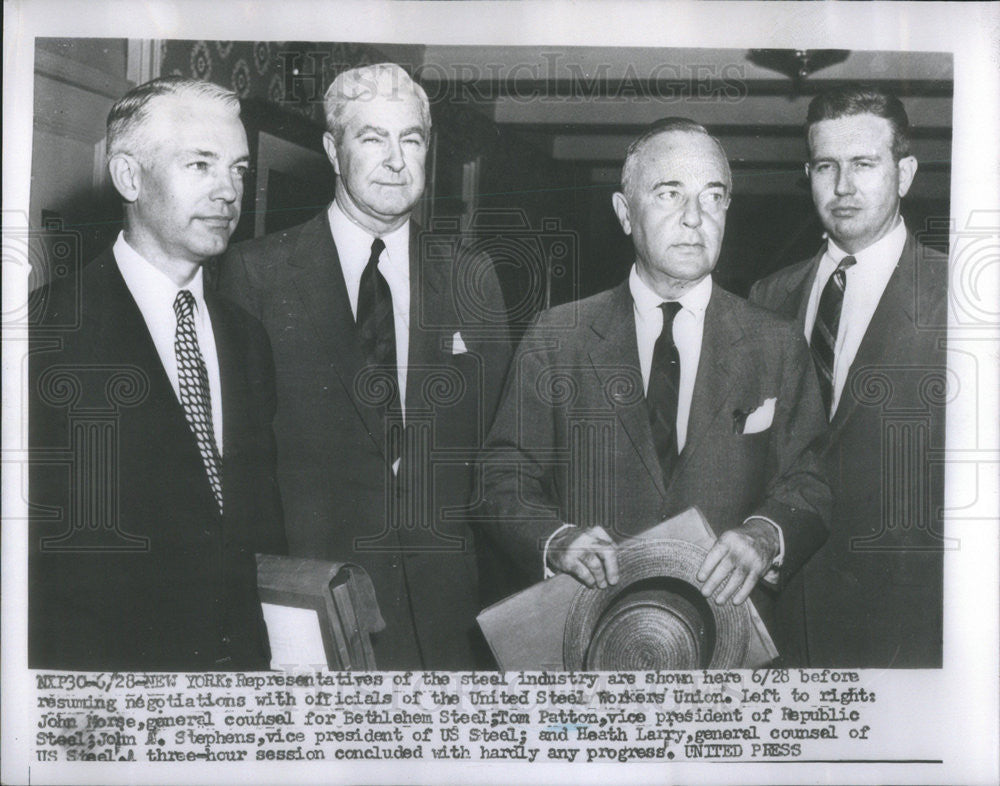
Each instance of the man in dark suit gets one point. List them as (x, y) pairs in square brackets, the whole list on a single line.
[(390, 349), (872, 302), (155, 400), (662, 393)]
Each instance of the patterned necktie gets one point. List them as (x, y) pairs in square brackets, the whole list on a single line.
[(377, 334), (824, 334), (192, 378), (662, 392)]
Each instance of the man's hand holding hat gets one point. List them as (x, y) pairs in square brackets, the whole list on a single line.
[(589, 555), (730, 570), (739, 558)]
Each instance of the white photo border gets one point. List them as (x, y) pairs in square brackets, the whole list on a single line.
[(967, 687)]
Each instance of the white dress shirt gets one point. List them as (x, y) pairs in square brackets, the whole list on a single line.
[(354, 246), (155, 293), (866, 281), (688, 330), (689, 326)]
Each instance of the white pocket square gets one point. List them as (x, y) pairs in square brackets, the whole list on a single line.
[(760, 419), (457, 345)]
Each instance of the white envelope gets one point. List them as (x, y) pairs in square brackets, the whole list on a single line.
[(760, 419)]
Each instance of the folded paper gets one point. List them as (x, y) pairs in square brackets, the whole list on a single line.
[(528, 631)]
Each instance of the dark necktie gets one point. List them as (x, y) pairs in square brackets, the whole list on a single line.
[(377, 333), (376, 326), (192, 378), (824, 333), (662, 392)]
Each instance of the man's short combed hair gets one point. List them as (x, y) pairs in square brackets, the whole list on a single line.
[(662, 126), (129, 113), (862, 99), (365, 83)]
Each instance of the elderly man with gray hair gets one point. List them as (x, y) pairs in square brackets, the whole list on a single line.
[(702, 401), (390, 356)]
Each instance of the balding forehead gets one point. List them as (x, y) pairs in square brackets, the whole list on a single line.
[(179, 108), (165, 114), (674, 143), (677, 139)]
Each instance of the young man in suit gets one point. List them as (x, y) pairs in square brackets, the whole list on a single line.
[(390, 347), (662, 393), (872, 303), (142, 549)]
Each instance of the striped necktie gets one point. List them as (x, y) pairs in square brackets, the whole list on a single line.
[(824, 333), (192, 379)]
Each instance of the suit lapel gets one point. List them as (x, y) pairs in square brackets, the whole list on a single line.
[(124, 337), (894, 313), (232, 381), (232, 377), (428, 296), (799, 286), (319, 283), (616, 345), (803, 288), (720, 364)]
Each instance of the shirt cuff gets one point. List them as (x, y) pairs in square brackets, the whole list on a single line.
[(771, 577), (547, 572)]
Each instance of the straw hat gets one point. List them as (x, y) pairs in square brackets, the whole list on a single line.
[(655, 617)]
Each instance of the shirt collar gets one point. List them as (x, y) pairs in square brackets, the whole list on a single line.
[(355, 243), (646, 300), (150, 287), (887, 247)]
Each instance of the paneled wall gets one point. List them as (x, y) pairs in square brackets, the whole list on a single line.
[(76, 82)]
